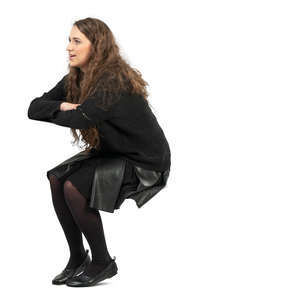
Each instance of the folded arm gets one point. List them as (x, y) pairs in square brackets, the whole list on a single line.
[(75, 118), (42, 108), (86, 115)]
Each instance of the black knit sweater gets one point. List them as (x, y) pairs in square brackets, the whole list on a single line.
[(128, 128)]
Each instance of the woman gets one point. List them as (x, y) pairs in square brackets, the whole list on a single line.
[(126, 153)]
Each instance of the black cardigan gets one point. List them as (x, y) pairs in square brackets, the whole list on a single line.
[(128, 128)]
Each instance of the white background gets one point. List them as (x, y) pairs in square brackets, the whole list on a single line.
[(224, 81)]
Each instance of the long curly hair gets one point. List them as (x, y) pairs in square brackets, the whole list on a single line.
[(106, 70)]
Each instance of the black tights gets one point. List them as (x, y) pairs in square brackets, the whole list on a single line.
[(76, 217)]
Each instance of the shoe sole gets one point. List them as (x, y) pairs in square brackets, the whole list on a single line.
[(58, 283)]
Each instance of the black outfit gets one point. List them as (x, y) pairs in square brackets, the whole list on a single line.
[(133, 160)]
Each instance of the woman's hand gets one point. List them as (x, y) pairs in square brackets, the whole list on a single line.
[(68, 106)]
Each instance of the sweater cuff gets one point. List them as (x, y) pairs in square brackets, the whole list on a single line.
[(55, 108)]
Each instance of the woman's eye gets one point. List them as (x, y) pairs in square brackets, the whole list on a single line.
[(75, 41)]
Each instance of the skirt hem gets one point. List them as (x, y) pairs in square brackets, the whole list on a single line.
[(108, 178)]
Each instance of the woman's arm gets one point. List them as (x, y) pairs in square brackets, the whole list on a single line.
[(74, 118), (42, 108), (86, 115)]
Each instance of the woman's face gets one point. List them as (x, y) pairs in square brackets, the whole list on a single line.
[(79, 46)]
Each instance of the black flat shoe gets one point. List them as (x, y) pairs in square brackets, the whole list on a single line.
[(68, 273), (85, 280)]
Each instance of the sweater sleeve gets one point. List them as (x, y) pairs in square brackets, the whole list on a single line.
[(87, 115), (42, 108)]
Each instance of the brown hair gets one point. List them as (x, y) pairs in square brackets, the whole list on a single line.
[(107, 70)]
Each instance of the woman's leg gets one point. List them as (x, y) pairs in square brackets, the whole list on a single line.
[(70, 228), (90, 223)]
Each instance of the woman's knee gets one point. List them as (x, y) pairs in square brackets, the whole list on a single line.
[(69, 189)]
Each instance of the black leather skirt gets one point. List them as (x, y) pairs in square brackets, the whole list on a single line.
[(112, 179)]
